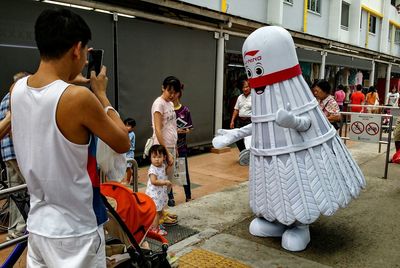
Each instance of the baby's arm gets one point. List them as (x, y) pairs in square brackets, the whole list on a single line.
[(156, 182)]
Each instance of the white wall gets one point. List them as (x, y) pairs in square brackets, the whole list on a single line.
[(293, 16), (254, 9), (344, 36), (364, 28), (215, 5), (373, 4), (393, 15), (318, 23)]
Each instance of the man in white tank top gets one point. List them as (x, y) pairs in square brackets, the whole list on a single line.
[(53, 127)]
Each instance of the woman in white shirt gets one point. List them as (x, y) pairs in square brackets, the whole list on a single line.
[(164, 123), (393, 98), (242, 110)]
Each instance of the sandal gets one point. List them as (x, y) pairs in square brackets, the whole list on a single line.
[(169, 214), (169, 221)]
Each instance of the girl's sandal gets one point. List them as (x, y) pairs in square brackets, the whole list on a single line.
[(169, 214), (169, 221)]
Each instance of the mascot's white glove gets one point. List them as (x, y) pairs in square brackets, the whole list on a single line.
[(285, 118), (226, 137)]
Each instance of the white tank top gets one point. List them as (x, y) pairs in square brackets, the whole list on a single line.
[(61, 176)]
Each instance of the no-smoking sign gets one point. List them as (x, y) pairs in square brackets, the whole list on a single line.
[(365, 127), (357, 127)]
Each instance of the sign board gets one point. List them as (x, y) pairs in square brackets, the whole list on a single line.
[(365, 127)]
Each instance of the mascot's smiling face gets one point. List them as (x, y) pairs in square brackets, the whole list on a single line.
[(269, 56), (254, 67)]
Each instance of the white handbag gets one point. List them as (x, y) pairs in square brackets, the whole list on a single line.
[(147, 146), (180, 171)]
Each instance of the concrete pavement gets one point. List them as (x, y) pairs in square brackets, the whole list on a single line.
[(365, 234)]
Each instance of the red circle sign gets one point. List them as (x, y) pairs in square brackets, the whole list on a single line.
[(357, 127), (372, 129)]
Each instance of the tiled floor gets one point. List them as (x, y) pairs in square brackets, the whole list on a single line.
[(209, 173)]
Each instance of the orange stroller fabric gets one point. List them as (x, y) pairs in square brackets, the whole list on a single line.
[(137, 210)]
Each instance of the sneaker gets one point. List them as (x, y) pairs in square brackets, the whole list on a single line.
[(171, 202)]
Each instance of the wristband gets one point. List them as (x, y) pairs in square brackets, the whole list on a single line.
[(111, 108)]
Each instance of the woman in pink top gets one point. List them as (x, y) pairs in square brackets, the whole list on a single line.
[(163, 120), (340, 95)]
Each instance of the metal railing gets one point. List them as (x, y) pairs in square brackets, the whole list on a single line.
[(3, 194), (389, 127)]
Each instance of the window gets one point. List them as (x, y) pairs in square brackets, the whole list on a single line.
[(397, 36), (372, 24), (314, 5), (288, 1), (345, 15)]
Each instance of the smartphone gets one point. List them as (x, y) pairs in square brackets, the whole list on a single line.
[(95, 58)]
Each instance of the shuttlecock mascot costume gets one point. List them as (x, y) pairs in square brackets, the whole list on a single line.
[(299, 167)]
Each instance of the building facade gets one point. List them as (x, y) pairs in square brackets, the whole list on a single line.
[(201, 41)]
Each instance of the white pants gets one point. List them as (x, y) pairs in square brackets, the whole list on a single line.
[(87, 251)]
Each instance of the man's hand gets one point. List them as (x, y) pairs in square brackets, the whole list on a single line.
[(99, 83), (79, 80)]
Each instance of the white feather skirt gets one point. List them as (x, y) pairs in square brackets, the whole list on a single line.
[(297, 176)]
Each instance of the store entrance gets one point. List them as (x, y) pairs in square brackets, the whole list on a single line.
[(234, 70)]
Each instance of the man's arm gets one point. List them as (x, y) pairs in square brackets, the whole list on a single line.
[(81, 111), (5, 125)]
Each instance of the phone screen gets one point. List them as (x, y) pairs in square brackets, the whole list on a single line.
[(95, 58)]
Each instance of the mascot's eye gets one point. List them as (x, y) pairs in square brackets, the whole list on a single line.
[(249, 74), (259, 70)]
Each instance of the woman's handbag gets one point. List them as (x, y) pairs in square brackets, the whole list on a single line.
[(180, 171), (147, 146)]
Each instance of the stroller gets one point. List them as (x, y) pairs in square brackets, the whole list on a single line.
[(130, 217)]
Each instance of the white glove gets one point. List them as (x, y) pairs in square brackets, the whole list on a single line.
[(285, 118), (225, 137)]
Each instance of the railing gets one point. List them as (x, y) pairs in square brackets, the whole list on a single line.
[(394, 112), (3, 194)]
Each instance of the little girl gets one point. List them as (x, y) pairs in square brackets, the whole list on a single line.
[(158, 183)]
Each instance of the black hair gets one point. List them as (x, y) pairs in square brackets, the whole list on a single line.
[(173, 83), (158, 149), (241, 81), (313, 85), (324, 86), (130, 122), (340, 87), (359, 87), (57, 30), (371, 89)]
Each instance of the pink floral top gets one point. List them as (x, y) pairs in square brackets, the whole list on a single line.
[(329, 106)]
